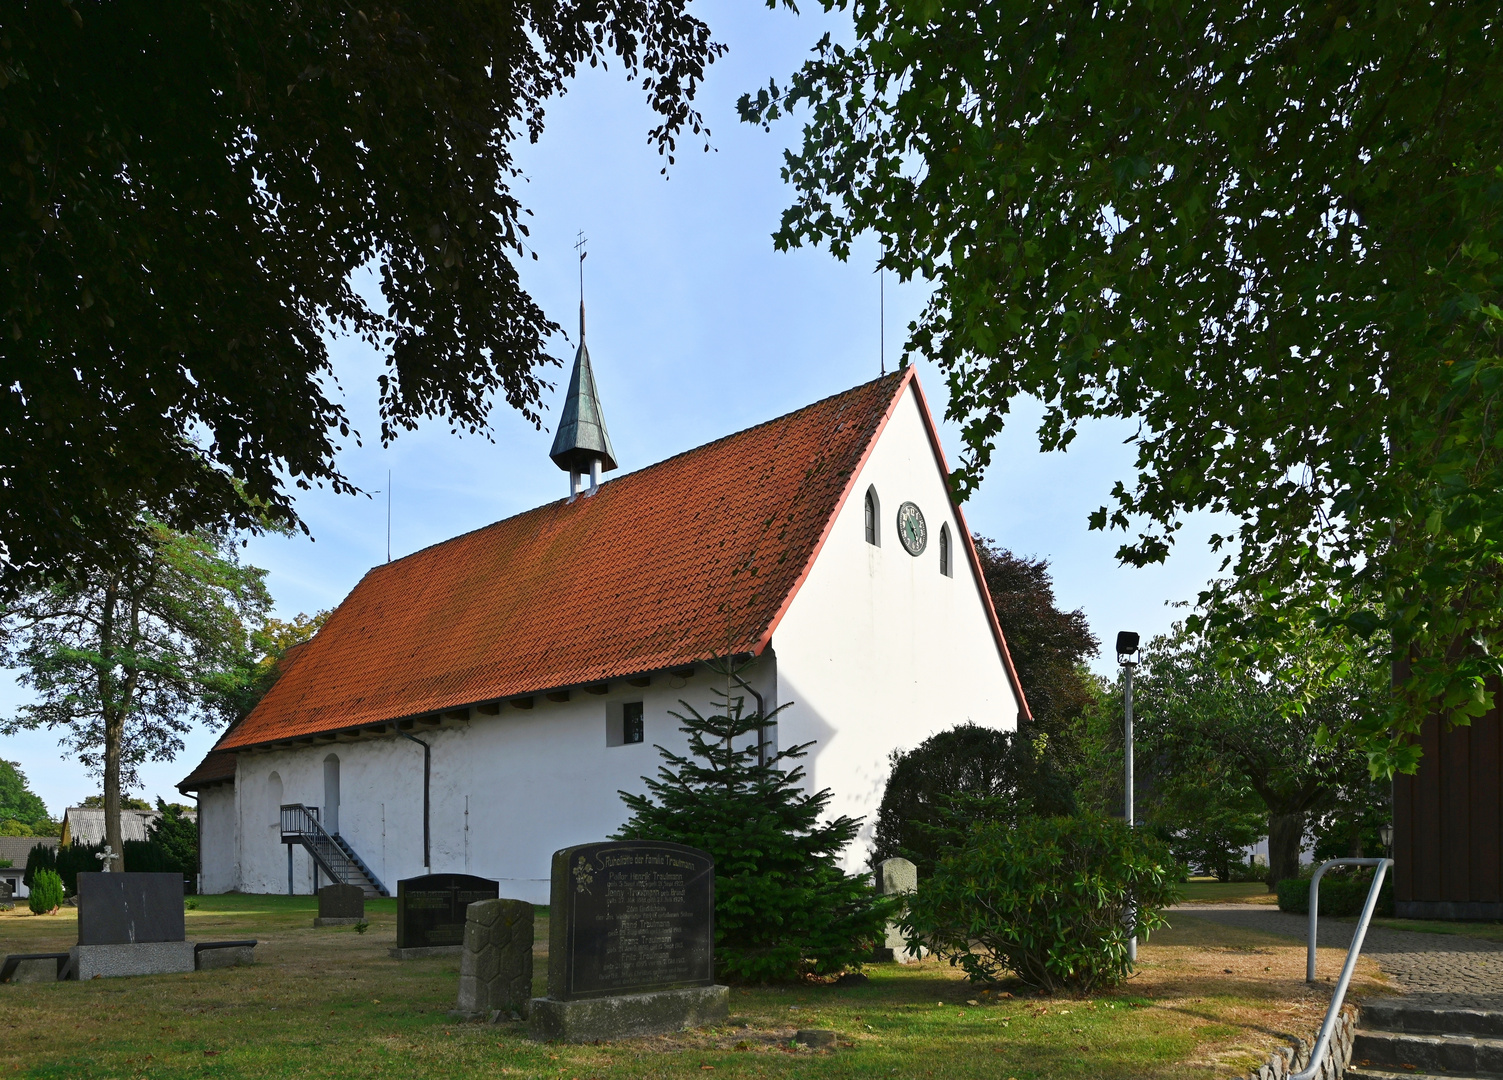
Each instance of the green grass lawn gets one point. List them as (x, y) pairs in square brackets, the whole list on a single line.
[(1207, 1002), (1205, 890)]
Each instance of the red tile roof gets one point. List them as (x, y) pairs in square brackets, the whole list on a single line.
[(216, 768), (691, 558)]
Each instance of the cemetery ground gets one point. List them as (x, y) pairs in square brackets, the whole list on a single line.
[(1208, 1001)]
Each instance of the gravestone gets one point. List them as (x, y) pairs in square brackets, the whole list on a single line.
[(631, 943), (431, 912), (495, 968), (896, 877), (340, 905), (130, 924)]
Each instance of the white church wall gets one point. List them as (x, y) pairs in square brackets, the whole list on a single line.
[(878, 649), (218, 839), (506, 791)]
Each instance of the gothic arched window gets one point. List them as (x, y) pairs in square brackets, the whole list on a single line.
[(873, 518), (946, 566)]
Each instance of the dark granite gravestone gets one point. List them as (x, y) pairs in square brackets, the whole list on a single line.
[(431, 909), (129, 909), (630, 917), (631, 946), (340, 905)]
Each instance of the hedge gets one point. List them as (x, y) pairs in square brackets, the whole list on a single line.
[(1339, 895)]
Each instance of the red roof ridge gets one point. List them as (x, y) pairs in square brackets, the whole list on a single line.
[(565, 501)]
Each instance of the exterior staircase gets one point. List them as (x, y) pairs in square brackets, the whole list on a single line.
[(1427, 1042), (331, 852)]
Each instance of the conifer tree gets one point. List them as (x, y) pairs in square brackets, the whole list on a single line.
[(783, 907)]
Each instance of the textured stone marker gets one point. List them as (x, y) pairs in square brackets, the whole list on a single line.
[(631, 943), (340, 905), (431, 912), (495, 968), (896, 877)]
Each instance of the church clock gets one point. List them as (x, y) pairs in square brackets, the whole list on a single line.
[(912, 531)]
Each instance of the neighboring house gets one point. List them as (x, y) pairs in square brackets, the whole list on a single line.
[(16, 850), (85, 824), (478, 704), (1448, 824)]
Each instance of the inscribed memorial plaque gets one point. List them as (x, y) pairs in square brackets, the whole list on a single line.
[(130, 909), (630, 918), (431, 909)]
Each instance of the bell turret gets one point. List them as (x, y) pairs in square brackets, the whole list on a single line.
[(582, 446)]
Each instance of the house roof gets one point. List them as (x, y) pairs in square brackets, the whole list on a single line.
[(85, 824), (216, 768), (695, 557), (17, 848)]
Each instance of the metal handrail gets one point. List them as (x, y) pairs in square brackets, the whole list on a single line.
[(1338, 996)]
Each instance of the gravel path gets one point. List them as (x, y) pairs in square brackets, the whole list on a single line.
[(1432, 969)]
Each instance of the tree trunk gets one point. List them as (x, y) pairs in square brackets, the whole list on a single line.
[(112, 733), (1285, 831)]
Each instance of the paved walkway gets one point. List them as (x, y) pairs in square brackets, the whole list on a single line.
[(1438, 969)]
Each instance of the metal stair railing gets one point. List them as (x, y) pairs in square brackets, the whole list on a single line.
[(301, 825), (358, 861), (1338, 996)]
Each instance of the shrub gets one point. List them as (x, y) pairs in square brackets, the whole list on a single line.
[(955, 779), (46, 893), (1340, 894), (77, 859), (1046, 899), (40, 857), (783, 906)]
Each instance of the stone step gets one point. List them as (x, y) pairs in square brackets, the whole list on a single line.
[(1466, 1055), (1432, 1019), (1359, 1072)]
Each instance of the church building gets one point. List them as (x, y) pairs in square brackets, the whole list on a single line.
[(479, 704)]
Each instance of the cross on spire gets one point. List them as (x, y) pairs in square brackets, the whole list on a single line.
[(579, 246)]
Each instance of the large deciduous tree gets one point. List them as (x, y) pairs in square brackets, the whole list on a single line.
[(1280, 734), (129, 656), (1269, 233), (188, 192), (22, 811)]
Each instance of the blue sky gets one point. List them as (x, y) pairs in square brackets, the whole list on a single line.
[(697, 328)]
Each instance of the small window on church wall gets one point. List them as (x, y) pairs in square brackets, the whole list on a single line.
[(944, 552), (623, 723), (873, 518), (631, 722)]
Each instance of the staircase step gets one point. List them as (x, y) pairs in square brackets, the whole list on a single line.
[(1386, 1015), (1362, 1072), (1466, 1055)]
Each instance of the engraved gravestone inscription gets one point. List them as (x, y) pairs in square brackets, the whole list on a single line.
[(431, 909), (630, 917)]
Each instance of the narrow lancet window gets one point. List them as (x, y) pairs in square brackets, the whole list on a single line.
[(945, 566), (873, 518)]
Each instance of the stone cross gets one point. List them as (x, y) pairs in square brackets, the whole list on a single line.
[(107, 857), (495, 963)]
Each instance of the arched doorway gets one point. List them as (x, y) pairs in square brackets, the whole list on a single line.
[(331, 793)]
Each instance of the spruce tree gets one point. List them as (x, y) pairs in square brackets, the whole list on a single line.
[(783, 907)]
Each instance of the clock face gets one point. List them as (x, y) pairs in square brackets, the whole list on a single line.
[(911, 529)]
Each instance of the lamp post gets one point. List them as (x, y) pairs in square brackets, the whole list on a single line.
[(1385, 834), (1127, 656)]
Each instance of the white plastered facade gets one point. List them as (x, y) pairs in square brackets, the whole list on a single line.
[(876, 651)]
